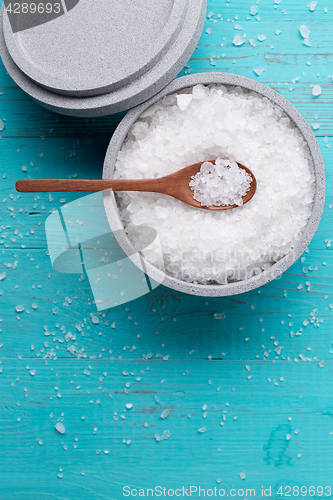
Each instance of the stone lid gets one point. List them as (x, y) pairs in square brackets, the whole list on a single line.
[(96, 47), (115, 90)]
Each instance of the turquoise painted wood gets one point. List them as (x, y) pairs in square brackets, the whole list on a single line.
[(261, 373)]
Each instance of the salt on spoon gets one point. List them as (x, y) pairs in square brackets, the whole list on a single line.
[(178, 185)]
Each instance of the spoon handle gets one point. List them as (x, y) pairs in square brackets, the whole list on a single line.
[(57, 185)]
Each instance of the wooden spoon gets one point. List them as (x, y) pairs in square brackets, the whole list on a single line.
[(176, 185)]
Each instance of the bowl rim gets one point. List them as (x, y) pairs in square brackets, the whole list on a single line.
[(232, 288)]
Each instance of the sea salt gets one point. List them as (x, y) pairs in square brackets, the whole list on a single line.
[(219, 316), (238, 40), (312, 6), (222, 184), (165, 413), (259, 70), (304, 31), (60, 428), (316, 90), (198, 245), (183, 101), (254, 9)]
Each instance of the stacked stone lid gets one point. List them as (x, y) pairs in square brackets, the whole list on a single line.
[(87, 58)]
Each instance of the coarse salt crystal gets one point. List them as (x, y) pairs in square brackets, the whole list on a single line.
[(312, 6), (165, 413), (316, 90), (304, 31), (183, 101), (219, 316), (60, 428), (254, 9), (259, 70), (238, 40)]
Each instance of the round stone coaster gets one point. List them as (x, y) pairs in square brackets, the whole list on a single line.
[(125, 97), (96, 47)]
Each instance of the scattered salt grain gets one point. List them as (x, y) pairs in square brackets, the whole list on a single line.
[(19, 308), (259, 70), (312, 6), (316, 90), (209, 31), (222, 184), (238, 40), (261, 38), (166, 434), (304, 31), (219, 316), (60, 428), (254, 9), (202, 429), (242, 475), (2, 126), (165, 413), (2, 276)]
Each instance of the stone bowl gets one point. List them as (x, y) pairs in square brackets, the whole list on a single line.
[(279, 267)]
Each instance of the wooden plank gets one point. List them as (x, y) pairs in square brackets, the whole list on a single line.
[(263, 412)]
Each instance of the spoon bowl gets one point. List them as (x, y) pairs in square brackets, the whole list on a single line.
[(176, 185)]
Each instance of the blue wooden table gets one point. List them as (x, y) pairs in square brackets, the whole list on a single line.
[(259, 381)]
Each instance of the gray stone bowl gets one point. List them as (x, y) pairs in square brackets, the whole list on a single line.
[(284, 263)]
